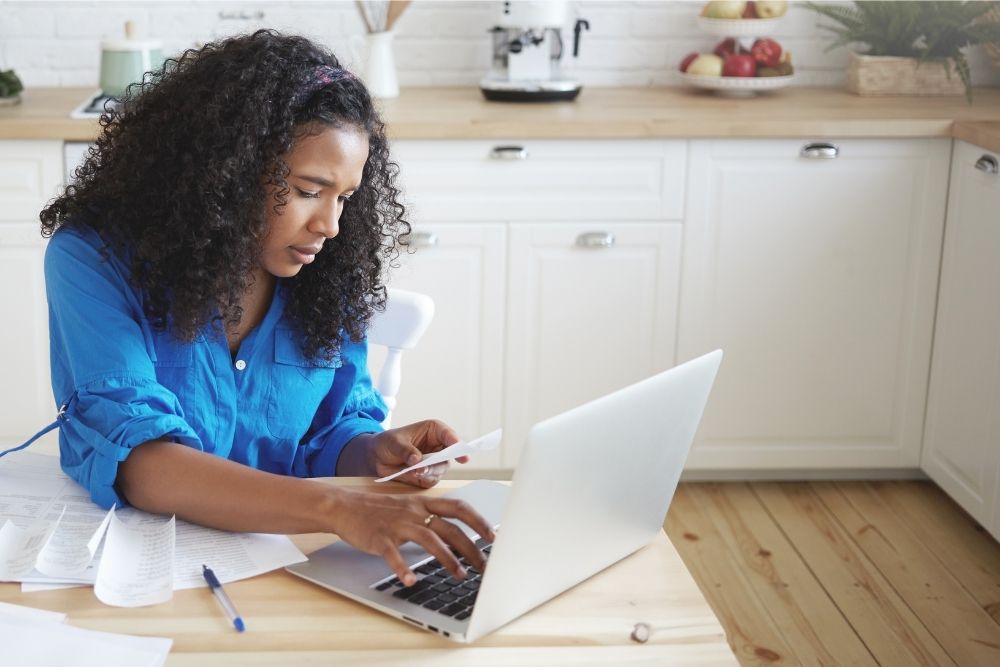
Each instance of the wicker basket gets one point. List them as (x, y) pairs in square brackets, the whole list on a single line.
[(890, 75)]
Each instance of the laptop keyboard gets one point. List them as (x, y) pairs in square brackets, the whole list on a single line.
[(437, 590)]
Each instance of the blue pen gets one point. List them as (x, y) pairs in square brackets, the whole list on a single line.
[(220, 594)]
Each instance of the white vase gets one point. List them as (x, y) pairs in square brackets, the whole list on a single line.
[(377, 64)]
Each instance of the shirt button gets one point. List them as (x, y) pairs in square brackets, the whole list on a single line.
[(240, 364)]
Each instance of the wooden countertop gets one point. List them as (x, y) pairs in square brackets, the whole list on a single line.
[(611, 113)]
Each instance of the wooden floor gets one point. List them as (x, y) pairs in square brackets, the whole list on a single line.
[(830, 573)]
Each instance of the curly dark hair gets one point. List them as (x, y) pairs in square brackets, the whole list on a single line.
[(177, 183)]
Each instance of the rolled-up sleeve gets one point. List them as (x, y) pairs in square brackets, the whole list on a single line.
[(352, 407), (102, 366)]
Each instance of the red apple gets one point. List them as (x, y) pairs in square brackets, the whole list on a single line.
[(751, 11), (687, 61), (767, 52), (739, 64), (726, 47)]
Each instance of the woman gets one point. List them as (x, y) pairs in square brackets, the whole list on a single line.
[(210, 276)]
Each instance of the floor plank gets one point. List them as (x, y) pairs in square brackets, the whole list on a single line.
[(750, 630), (810, 622), (966, 632), (886, 624), (962, 546)]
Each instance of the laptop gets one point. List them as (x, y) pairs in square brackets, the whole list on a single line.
[(607, 469)]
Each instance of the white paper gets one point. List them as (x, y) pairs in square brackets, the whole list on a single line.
[(34, 489), (483, 443), (19, 547), (71, 548), (13, 612), (48, 644), (137, 568)]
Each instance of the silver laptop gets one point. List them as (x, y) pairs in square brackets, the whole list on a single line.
[(608, 468)]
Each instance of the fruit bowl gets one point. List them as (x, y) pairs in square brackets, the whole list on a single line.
[(737, 86), (738, 27)]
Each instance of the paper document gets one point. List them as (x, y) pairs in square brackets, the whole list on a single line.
[(52, 534), (137, 568), (39, 638), (483, 443)]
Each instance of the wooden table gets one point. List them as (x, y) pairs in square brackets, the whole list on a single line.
[(290, 621)]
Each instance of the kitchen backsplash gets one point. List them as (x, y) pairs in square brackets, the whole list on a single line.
[(438, 43)]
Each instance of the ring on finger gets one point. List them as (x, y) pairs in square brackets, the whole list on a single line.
[(430, 517)]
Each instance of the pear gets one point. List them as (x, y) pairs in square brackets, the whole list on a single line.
[(724, 9), (770, 9), (707, 64)]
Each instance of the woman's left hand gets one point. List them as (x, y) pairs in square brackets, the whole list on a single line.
[(398, 448)]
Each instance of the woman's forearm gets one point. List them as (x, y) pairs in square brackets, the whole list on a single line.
[(168, 478)]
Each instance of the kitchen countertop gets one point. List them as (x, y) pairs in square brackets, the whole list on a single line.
[(611, 113)]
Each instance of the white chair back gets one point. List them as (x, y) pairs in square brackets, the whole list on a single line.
[(407, 315)]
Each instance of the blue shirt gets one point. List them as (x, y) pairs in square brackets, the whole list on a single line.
[(126, 384)]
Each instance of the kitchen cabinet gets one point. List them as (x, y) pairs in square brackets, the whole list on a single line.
[(815, 268), (578, 291), (30, 174), (455, 372), (591, 309), (962, 437)]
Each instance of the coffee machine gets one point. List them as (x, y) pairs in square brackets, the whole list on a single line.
[(527, 50)]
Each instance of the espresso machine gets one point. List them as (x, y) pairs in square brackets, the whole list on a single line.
[(527, 50)]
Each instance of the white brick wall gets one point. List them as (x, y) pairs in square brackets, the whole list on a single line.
[(633, 43)]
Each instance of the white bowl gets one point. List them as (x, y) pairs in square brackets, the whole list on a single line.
[(738, 27), (737, 86)]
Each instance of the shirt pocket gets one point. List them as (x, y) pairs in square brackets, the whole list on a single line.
[(173, 360), (298, 386)]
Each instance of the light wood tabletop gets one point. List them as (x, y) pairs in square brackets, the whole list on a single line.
[(290, 621)]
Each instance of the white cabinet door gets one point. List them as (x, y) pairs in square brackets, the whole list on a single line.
[(454, 374), (30, 175), (25, 388), (962, 439), (818, 279), (543, 180), (584, 320)]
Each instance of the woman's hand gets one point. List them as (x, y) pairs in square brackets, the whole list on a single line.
[(379, 524), (385, 453)]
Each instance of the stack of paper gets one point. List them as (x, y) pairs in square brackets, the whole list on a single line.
[(39, 638), (52, 534)]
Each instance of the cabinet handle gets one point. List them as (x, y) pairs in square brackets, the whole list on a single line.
[(988, 164), (509, 153), (820, 151), (423, 240), (595, 240)]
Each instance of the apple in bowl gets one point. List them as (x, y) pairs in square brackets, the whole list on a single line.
[(739, 64)]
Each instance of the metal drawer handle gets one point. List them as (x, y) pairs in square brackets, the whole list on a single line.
[(988, 164), (820, 151), (595, 240), (423, 240), (509, 153)]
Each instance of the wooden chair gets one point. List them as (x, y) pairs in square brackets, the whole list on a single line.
[(399, 328)]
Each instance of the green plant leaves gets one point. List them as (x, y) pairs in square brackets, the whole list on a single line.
[(928, 31), (10, 85)]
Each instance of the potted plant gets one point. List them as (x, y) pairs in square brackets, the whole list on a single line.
[(10, 88), (913, 48)]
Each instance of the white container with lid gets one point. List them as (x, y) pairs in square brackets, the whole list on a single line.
[(125, 61)]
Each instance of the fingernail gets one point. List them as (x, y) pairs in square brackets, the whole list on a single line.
[(410, 579), (462, 573), (414, 459)]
